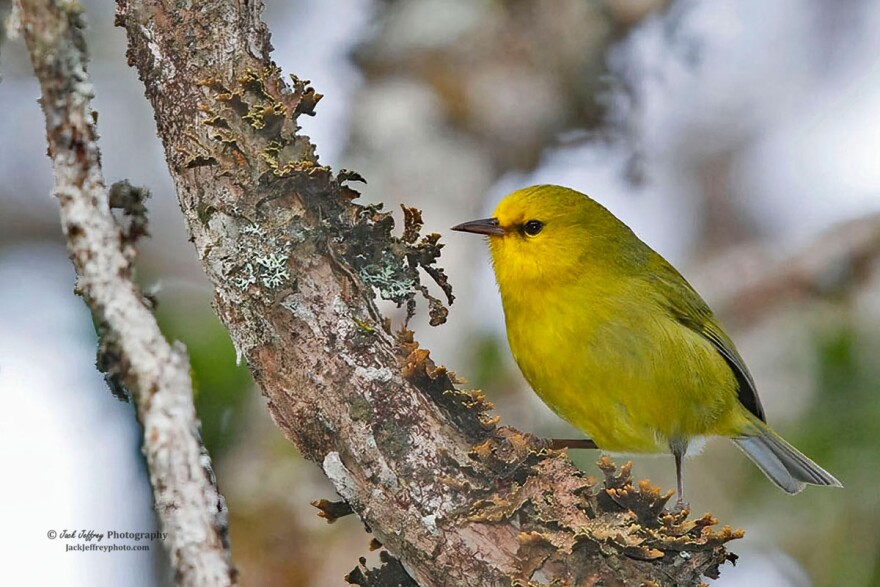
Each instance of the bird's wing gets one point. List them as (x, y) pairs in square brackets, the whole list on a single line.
[(688, 308)]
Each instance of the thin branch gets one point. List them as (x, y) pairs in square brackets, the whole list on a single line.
[(157, 373)]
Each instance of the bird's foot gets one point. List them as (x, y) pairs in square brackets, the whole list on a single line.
[(680, 506)]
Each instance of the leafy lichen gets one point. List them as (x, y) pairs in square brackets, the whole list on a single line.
[(616, 516), (389, 278), (468, 409), (252, 103), (332, 510), (273, 270), (131, 201), (257, 108), (389, 573)]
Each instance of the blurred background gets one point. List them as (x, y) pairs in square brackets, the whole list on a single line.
[(741, 139)]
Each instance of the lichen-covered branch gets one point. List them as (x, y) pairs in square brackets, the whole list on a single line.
[(295, 264), (157, 373)]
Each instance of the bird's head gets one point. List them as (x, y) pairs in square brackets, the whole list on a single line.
[(549, 233)]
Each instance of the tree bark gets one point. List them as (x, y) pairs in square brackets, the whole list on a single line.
[(189, 506), (295, 263)]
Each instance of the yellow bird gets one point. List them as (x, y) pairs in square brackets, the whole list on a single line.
[(615, 341)]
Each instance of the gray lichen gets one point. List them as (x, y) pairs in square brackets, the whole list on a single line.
[(273, 270), (389, 278)]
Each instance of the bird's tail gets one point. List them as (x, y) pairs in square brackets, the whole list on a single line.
[(783, 464)]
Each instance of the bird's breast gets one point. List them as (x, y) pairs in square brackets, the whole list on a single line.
[(624, 374)]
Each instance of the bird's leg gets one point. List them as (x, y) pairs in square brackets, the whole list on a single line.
[(679, 503), (678, 449), (560, 443)]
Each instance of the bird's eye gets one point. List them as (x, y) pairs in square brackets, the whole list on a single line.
[(533, 227)]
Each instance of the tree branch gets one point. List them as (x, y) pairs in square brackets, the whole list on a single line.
[(295, 264), (187, 501)]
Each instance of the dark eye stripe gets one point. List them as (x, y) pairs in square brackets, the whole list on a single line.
[(533, 227)]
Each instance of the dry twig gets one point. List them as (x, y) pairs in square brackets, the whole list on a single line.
[(157, 373)]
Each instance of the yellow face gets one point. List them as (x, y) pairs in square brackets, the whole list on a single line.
[(542, 240), (547, 233)]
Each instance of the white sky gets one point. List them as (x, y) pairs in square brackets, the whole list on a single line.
[(70, 451)]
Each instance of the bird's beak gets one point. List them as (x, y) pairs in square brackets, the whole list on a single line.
[(487, 226)]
